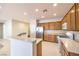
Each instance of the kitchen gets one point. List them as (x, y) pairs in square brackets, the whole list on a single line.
[(33, 37)]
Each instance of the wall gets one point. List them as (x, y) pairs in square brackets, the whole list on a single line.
[(19, 27), (7, 29), (12, 27), (1, 30), (32, 28)]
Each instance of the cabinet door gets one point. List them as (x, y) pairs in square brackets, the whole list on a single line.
[(51, 26), (52, 38), (45, 36), (72, 15), (68, 21), (63, 21), (39, 49), (57, 25), (77, 17), (46, 26)]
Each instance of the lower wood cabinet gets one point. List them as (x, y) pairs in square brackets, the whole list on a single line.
[(39, 49), (50, 38)]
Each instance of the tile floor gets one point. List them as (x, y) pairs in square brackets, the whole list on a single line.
[(50, 49)]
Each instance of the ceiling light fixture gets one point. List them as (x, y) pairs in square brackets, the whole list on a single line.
[(55, 4), (25, 13), (36, 10), (54, 14)]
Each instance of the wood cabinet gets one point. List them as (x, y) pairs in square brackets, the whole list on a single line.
[(51, 25), (50, 38), (68, 21), (77, 17), (57, 26), (72, 18), (39, 49), (46, 26)]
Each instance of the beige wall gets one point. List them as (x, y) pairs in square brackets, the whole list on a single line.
[(7, 29), (32, 28), (12, 28), (1, 30), (19, 27)]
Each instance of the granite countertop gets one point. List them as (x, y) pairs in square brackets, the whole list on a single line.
[(32, 40), (71, 45)]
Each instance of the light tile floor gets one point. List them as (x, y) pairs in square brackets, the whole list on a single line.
[(50, 49)]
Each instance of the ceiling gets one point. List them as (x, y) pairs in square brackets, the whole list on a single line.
[(26, 11)]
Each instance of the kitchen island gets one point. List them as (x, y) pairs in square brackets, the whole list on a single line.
[(24, 46)]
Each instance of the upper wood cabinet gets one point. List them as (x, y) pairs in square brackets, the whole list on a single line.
[(77, 17), (68, 21), (52, 26), (72, 18), (46, 26), (58, 25)]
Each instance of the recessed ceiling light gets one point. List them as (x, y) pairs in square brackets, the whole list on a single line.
[(55, 4), (54, 14), (0, 6), (42, 16), (36, 10), (25, 13)]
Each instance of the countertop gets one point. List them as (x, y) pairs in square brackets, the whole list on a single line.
[(71, 45), (32, 40)]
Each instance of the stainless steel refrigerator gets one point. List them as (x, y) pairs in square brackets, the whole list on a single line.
[(39, 32)]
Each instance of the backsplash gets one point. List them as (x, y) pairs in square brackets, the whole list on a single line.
[(77, 36), (55, 32)]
